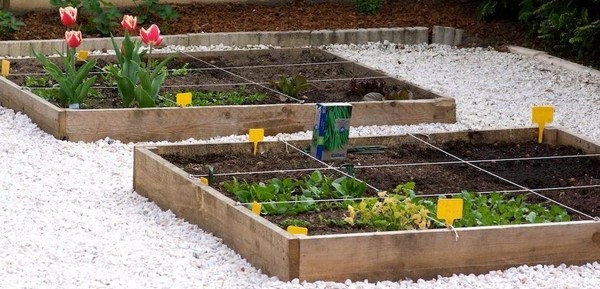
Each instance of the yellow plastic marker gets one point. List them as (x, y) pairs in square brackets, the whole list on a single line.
[(256, 135), (204, 181), (184, 98), (542, 115), (298, 231), (83, 55), (256, 207), (449, 210), (5, 67)]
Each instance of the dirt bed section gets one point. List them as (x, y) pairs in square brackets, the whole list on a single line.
[(553, 172), (329, 76)]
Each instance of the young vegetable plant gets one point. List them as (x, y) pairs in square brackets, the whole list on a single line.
[(290, 197), (208, 98), (291, 86), (389, 212), (498, 209)]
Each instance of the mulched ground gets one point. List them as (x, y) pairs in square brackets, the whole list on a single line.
[(197, 18)]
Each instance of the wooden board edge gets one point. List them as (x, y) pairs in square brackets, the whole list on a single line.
[(262, 243), (428, 254), (46, 115)]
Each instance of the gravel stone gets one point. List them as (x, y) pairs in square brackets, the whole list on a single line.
[(70, 218)]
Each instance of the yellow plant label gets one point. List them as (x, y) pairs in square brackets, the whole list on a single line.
[(184, 98), (204, 181), (5, 67), (542, 115), (449, 210), (256, 207), (256, 135), (298, 231), (83, 55)]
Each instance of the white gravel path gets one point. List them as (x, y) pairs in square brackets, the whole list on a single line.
[(69, 217)]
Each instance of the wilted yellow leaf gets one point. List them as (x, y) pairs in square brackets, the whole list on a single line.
[(349, 221)]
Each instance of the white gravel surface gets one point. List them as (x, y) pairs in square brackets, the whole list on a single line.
[(70, 219)]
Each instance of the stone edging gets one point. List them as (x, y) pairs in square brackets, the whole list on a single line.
[(300, 38), (552, 60)]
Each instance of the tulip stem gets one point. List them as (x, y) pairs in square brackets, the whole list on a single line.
[(149, 56)]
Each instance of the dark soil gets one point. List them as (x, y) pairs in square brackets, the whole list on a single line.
[(329, 76), (197, 18), (429, 179)]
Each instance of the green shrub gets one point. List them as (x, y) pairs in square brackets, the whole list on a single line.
[(571, 28), (368, 6), (8, 23)]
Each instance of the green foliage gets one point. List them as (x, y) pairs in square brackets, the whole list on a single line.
[(74, 83), (36, 81), (295, 222), (103, 15), (147, 8), (296, 196), (291, 86), (209, 98), (498, 209), (390, 212), (566, 27), (182, 71), (49, 94), (8, 23), (138, 85), (494, 8), (52, 94), (65, 3), (368, 6)]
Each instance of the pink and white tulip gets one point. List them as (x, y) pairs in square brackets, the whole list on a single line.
[(73, 38), (129, 23), (68, 16), (151, 36)]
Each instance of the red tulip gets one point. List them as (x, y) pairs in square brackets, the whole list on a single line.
[(129, 23), (68, 16), (151, 36), (73, 38)]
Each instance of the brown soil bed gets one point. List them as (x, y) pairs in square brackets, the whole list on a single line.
[(303, 15), (429, 179), (329, 77)]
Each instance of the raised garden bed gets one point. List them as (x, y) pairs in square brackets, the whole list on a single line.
[(392, 255), (329, 77)]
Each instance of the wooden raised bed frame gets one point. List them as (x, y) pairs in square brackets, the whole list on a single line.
[(374, 256), (173, 124)]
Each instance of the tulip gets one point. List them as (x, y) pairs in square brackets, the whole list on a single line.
[(68, 16), (73, 38), (129, 23), (151, 36)]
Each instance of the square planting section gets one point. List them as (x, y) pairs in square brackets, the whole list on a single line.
[(564, 169), (250, 71)]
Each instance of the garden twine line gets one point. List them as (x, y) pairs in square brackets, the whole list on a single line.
[(505, 180)]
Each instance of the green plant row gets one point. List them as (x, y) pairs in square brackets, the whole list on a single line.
[(400, 210), (102, 15), (296, 196), (210, 98)]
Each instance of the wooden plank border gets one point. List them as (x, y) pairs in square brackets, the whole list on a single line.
[(375, 256), (175, 124), (47, 116)]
